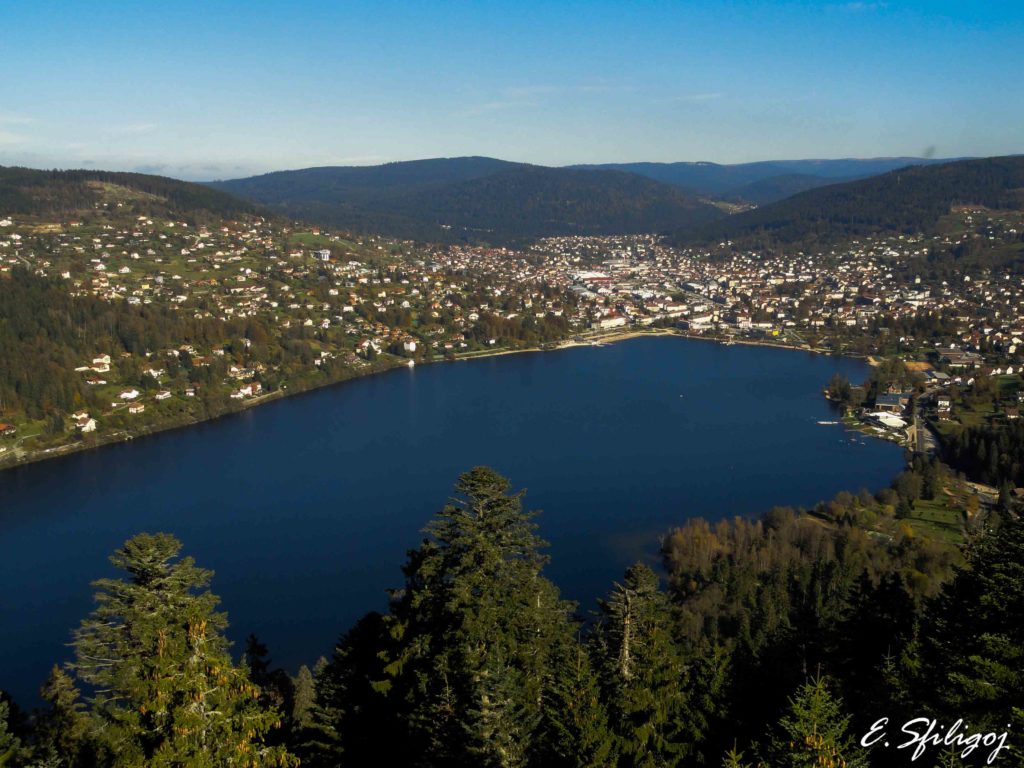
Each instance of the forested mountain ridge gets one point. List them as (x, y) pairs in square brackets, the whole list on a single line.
[(764, 191), (476, 199), (362, 183), (133, 303), (65, 193), (906, 201), (763, 181)]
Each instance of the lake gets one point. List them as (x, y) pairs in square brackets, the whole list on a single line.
[(304, 507)]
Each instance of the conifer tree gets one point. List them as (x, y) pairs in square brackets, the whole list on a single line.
[(166, 692), (474, 629), (643, 672), (10, 745), (814, 733), (972, 645), (62, 728), (274, 683), (353, 721), (734, 759), (576, 733), (304, 698), (705, 717)]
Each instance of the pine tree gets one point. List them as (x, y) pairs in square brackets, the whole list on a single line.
[(576, 733), (972, 646), (705, 717), (62, 728), (474, 630), (10, 745), (274, 683), (734, 759), (643, 672), (815, 732), (304, 698), (353, 721), (166, 692)]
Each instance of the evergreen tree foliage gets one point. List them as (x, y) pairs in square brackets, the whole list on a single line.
[(274, 684), (479, 662), (165, 690), (815, 732), (643, 672), (352, 720), (972, 646), (62, 728), (706, 720), (475, 628), (734, 759), (576, 730), (304, 698), (10, 745)]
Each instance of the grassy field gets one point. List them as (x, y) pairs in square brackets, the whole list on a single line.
[(937, 519), (310, 240)]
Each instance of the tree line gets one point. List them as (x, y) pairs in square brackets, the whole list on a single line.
[(777, 642), (66, 193), (908, 201), (991, 454)]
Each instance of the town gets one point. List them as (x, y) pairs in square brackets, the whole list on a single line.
[(340, 305)]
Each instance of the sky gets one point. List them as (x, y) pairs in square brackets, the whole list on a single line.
[(205, 90)]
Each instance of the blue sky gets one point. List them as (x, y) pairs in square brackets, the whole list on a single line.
[(205, 90)]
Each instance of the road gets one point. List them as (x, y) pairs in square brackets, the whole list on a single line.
[(927, 442)]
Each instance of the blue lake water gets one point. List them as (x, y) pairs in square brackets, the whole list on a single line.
[(305, 507)]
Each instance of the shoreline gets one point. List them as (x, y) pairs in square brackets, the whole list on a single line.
[(597, 340)]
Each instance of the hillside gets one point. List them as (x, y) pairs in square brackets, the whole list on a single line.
[(69, 193), (476, 199), (361, 184), (908, 201), (775, 188), (125, 299), (762, 182)]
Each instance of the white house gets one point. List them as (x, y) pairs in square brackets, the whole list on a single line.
[(83, 422)]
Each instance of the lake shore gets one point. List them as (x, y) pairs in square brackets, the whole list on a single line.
[(19, 458), (341, 480)]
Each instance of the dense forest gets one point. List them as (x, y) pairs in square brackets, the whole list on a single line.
[(989, 454), (780, 642), (909, 200), (45, 332), (762, 181), (64, 193), (475, 199)]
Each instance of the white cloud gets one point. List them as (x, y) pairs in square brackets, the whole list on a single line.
[(520, 97), (7, 138)]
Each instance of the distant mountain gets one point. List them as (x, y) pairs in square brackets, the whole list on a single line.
[(762, 182), (775, 188), (908, 200), (362, 184), (475, 198), (65, 193)]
